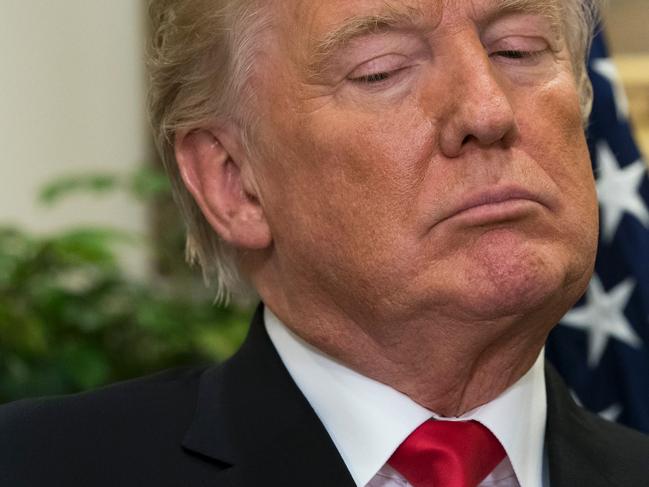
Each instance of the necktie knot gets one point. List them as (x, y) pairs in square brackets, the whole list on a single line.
[(448, 454)]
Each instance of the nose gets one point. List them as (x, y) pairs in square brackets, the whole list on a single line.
[(480, 112)]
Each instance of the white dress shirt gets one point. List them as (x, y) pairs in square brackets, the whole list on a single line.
[(368, 420)]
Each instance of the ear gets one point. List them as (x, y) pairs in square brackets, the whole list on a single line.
[(215, 170)]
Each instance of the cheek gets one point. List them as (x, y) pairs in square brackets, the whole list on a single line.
[(345, 191), (555, 138), (357, 165), (559, 144)]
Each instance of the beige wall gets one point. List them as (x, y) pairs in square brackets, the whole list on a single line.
[(627, 22), (71, 99), (627, 26)]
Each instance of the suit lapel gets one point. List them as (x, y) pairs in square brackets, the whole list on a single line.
[(253, 421), (252, 417), (575, 443)]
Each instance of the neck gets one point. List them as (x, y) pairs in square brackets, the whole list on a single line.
[(446, 366)]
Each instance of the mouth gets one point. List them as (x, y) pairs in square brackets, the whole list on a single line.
[(495, 205)]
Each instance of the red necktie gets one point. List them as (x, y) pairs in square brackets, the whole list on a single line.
[(448, 454)]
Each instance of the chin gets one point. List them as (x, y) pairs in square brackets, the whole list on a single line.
[(515, 297), (510, 280)]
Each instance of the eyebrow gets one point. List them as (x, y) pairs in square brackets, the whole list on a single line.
[(390, 18), (410, 18), (550, 9)]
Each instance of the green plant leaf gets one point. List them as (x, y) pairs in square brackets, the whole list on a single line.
[(147, 183), (68, 185), (72, 319), (89, 245), (87, 366)]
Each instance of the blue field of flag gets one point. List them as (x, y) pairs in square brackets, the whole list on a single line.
[(602, 345)]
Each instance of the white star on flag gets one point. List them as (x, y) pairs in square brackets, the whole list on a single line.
[(611, 413), (602, 317), (575, 398), (606, 68), (617, 190)]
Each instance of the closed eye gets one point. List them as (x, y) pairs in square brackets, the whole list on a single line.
[(371, 78), (514, 54), (376, 78)]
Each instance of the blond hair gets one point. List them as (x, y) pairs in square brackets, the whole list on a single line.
[(200, 58)]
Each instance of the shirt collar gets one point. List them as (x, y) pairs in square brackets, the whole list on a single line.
[(368, 420)]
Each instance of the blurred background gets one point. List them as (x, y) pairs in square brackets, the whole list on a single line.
[(93, 288)]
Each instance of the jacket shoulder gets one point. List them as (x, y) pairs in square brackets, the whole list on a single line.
[(585, 449), (624, 450), (43, 438)]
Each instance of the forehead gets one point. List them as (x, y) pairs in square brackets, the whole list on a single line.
[(322, 17), (310, 32)]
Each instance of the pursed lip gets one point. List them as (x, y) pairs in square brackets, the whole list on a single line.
[(494, 203)]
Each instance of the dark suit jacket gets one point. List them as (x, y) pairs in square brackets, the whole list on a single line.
[(245, 423)]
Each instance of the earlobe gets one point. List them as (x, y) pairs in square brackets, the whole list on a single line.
[(213, 168)]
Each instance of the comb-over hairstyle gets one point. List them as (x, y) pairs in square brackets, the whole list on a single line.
[(200, 59)]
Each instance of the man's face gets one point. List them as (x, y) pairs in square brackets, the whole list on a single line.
[(424, 157)]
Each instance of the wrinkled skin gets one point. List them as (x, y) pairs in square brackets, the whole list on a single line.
[(427, 190)]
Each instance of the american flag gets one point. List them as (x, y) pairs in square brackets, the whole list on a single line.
[(601, 346)]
